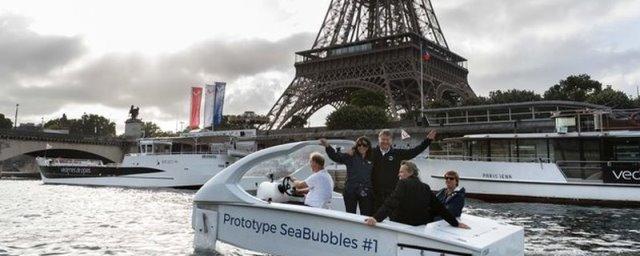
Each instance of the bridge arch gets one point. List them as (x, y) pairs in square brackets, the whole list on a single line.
[(10, 148)]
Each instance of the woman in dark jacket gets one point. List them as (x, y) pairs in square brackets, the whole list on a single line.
[(358, 188), (451, 196), (412, 202)]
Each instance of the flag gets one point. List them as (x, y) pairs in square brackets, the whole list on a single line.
[(219, 103), (48, 146), (209, 98), (426, 56), (404, 134), (196, 99)]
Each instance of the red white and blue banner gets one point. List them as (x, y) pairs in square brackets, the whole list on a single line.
[(219, 102), (196, 99), (209, 98)]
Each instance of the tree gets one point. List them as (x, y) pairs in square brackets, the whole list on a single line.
[(474, 101), (512, 96), (363, 98), (439, 103), (354, 117), (611, 98), (5, 123), (636, 103), (58, 123), (296, 122), (153, 130), (574, 88), (88, 124)]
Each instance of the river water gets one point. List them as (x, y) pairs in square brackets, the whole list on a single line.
[(38, 219)]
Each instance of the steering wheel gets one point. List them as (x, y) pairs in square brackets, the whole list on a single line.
[(286, 188)]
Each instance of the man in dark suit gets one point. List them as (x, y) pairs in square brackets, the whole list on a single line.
[(386, 163)]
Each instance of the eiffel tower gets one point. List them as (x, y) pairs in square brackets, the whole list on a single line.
[(378, 45)]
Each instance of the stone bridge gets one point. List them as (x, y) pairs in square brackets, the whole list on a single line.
[(15, 144)]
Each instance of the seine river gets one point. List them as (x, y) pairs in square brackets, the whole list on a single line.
[(38, 219)]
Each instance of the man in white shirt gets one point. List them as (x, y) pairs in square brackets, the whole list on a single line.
[(319, 186)]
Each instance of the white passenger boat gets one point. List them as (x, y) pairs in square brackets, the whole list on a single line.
[(586, 168), (186, 161), (270, 221)]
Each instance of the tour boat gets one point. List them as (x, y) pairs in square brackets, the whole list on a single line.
[(271, 221), (186, 161), (586, 168)]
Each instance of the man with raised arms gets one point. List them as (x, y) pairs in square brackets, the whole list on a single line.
[(386, 163)]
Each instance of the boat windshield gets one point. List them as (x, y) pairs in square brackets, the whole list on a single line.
[(296, 164)]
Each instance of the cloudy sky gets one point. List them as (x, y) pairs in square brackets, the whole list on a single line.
[(71, 57)]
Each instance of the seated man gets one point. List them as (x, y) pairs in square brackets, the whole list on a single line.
[(318, 187), (412, 202)]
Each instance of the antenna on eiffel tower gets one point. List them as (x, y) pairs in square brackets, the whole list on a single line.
[(372, 45)]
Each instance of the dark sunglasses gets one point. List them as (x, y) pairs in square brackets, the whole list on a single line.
[(449, 178), (363, 145)]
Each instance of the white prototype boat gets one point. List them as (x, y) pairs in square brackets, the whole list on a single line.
[(187, 161), (270, 221)]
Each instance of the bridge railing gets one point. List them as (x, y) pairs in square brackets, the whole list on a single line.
[(39, 135)]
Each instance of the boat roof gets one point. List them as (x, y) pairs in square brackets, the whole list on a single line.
[(202, 137), (551, 135)]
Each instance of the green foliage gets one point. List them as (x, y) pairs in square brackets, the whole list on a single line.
[(363, 98), (5, 123), (439, 103), (296, 122), (354, 117), (513, 95), (243, 121), (480, 100), (88, 124), (573, 88), (366, 110), (612, 98), (153, 130)]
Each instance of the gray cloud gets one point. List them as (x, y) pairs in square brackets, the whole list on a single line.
[(24, 53), (533, 44), (118, 80)]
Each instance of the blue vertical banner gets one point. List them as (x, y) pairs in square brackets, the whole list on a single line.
[(219, 103)]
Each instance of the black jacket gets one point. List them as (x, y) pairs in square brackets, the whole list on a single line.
[(385, 167), (413, 203), (358, 169), (454, 203)]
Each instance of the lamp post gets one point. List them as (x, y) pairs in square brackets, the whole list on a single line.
[(15, 118)]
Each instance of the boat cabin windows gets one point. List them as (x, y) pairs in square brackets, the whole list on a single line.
[(626, 150), (507, 150), (542, 149), (155, 147)]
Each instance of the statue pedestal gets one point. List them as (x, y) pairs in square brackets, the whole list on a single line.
[(133, 129)]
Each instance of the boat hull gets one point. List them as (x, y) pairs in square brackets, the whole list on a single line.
[(527, 182), (283, 229), (170, 171)]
